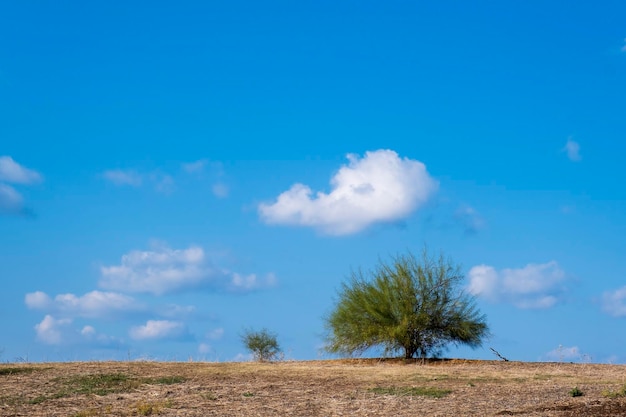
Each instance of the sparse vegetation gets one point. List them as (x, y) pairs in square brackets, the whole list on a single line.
[(615, 394), (263, 344), (410, 305), (12, 370), (355, 387), (576, 392), (411, 391)]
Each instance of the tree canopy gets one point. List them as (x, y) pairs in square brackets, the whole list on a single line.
[(411, 305)]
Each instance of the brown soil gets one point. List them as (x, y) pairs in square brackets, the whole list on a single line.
[(316, 388)]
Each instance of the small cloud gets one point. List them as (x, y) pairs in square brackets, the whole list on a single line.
[(159, 329), (12, 172), (215, 334), (563, 353), (245, 283), (535, 286), (165, 270), (49, 331), (572, 149), (196, 167), (220, 190), (11, 202), (381, 187), (469, 218), (95, 304), (204, 348), (123, 177), (614, 302), (163, 183)]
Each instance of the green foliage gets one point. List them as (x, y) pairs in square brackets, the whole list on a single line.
[(575, 392), (411, 391), (409, 305), (262, 344)]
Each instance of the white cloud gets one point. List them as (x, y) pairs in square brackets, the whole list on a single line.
[(11, 171), (158, 272), (164, 270), (572, 149), (204, 348), (220, 190), (250, 282), (158, 329), (123, 177), (10, 200), (163, 183), (196, 167), (92, 305), (563, 353), (380, 187), (49, 331), (469, 218), (215, 334), (614, 302), (535, 286)]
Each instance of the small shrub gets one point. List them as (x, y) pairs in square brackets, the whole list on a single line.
[(248, 394), (262, 344), (575, 392)]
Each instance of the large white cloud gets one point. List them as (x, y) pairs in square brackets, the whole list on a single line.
[(164, 270), (159, 329), (11, 171), (533, 286), (614, 302), (380, 187), (95, 304)]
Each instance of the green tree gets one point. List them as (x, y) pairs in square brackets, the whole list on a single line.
[(262, 344), (411, 305)]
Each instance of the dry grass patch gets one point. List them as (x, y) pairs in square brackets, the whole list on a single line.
[(315, 388)]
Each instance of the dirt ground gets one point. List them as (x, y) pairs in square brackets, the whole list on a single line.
[(317, 388)]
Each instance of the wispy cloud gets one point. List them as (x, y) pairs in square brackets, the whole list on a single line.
[(162, 183), (471, 221), (12, 172), (164, 270), (572, 149), (196, 167), (159, 329), (123, 177), (380, 187), (95, 304), (534, 286), (215, 172), (11, 201), (563, 353), (614, 302)]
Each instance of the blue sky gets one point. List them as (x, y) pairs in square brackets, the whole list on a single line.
[(172, 174)]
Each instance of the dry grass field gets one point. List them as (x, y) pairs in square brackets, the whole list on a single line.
[(365, 387)]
